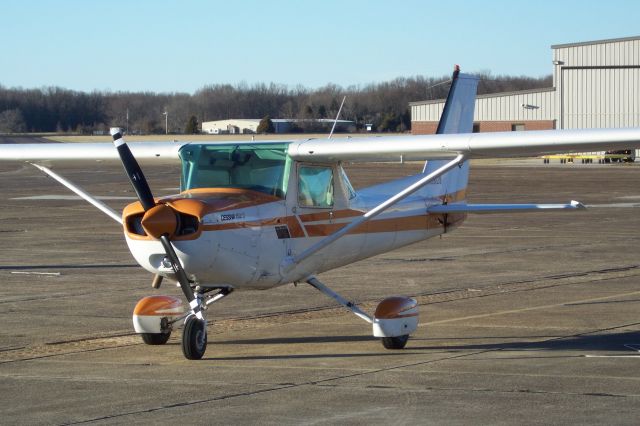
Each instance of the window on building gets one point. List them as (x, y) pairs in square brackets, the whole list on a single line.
[(315, 186), (476, 128), (517, 127)]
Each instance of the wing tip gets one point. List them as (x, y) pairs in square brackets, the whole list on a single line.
[(578, 205)]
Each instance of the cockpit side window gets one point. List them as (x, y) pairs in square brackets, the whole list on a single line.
[(315, 186), (351, 193)]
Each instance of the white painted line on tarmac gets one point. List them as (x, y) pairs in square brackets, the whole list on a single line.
[(613, 206), (612, 356), (56, 274)]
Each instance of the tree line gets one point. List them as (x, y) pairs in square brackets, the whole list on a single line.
[(384, 105)]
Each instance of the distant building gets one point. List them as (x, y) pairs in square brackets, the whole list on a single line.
[(220, 127), (596, 84), (281, 125)]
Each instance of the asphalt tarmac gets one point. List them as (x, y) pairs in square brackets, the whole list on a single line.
[(525, 318)]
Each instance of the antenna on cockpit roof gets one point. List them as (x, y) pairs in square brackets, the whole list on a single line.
[(337, 116)]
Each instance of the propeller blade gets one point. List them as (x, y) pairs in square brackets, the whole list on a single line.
[(133, 170), (181, 275), (158, 220)]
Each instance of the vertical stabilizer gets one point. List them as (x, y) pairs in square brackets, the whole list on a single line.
[(457, 115)]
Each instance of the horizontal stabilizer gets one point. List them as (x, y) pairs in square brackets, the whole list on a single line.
[(502, 208)]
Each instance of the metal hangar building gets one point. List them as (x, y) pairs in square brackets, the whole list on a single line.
[(596, 85)]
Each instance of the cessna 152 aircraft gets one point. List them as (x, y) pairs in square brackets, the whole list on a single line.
[(257, 215)]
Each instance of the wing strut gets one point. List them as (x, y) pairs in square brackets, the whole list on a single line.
[(92, 200), (291, 261)]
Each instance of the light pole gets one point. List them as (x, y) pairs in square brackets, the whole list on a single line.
[(166, 122)]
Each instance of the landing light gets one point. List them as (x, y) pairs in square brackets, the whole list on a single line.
[(166, 263)]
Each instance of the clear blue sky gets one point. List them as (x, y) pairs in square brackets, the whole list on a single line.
[(171, 45)]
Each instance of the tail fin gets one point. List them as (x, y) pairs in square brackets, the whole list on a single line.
[(457, 115)]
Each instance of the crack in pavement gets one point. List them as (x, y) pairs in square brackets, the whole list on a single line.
[(327, 382), (273, 389)]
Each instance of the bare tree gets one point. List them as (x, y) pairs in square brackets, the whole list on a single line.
[(382, 104), (12, 121)]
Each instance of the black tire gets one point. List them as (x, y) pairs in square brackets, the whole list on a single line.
[(155, 338), (194, 338), (398, 342)]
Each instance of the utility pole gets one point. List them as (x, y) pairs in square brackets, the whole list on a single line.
[(166, 122)]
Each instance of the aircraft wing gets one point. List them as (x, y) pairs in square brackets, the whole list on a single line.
[(382, 148), (472, 145), (66, 152)]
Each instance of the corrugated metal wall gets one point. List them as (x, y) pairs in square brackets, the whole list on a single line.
[(427, 111), (524, 106), (600, 98), (621, 52), (516, 106), (598, 84)]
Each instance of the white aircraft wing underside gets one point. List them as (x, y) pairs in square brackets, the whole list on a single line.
[(473, 145), (144, 152), (366, 149)]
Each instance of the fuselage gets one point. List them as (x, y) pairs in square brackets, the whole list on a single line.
[(243, 210)]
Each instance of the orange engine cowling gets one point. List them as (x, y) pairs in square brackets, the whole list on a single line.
[(395, 316), (149, 312)]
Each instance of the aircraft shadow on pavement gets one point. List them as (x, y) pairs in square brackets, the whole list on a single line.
[(584, 342), (625, 343), (306, 356), (593, 343), (294, 340)]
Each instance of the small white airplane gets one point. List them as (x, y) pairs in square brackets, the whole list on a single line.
[(257, 215)]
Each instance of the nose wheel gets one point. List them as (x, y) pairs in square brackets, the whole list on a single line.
[(194, 338)]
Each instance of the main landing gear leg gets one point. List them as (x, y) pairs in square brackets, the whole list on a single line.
[(315, 283), (394, 320)]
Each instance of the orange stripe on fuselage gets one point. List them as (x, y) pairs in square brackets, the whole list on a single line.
[(295, 230), (338, 214), (397, 224)]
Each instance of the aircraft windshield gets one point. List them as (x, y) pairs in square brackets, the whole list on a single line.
[(261, 167)]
